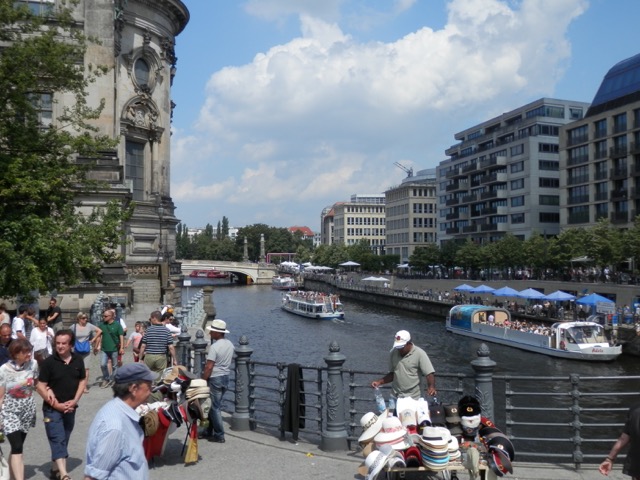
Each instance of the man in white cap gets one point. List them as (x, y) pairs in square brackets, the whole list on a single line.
[(406, 363), (216, 372)]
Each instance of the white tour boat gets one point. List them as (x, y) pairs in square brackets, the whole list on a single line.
[(574, 340), (283, 283), (313, 304)]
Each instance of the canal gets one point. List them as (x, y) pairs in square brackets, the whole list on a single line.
[(365, 337)]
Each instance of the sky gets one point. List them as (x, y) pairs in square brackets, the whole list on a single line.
[(285, 107)]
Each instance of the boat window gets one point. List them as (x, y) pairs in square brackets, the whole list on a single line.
[(586, 334)]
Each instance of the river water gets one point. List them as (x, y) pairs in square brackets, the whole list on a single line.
[(366, 335)]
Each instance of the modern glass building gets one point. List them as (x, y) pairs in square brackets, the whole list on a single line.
[(600, 154)]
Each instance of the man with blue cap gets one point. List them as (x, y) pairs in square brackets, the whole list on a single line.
[(114, 446)]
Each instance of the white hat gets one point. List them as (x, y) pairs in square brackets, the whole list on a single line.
[(371, 424), (378, 459), (393, 434), (401, 339), (219, 326)]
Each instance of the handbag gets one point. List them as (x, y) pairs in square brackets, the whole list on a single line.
[(39, 356), (82, 347), (4, 467)]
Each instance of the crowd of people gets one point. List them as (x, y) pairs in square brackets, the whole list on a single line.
[(43, 357)]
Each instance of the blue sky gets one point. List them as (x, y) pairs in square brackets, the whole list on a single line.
[(285, 107)]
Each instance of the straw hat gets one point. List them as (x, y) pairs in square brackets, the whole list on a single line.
[(393, 434), (371, 424)]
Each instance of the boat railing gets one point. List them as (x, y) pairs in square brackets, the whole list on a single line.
[(559, 419)]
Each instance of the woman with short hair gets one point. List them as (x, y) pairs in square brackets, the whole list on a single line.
[(17, 383)]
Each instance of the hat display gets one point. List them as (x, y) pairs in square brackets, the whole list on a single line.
[(378, 459), (401, 339), (499, 462), (422, 407), (392, 434), (436, 413), (175, 372), (407, 413), (219, 326), (371, 425), (412, 457), (134, 372), (150, 422), (469, 406), (451, 414)]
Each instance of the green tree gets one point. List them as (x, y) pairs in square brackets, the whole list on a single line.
[(422, 257), (47, 242), (469, 256), (605, 245), (225, 227)]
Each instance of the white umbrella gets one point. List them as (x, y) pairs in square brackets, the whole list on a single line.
[(382, 279), (370, 279), (350, 264), (403, 265)]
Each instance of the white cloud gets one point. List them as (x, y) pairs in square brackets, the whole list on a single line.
[(324, 116)]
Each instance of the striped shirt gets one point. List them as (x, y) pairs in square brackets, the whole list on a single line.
[(114, 446), (156, 339)]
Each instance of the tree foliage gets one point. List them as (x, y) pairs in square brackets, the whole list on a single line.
[(45, 241)]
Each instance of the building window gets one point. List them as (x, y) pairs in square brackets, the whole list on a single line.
[(548, 147), (620, 123), (546, 111), (517, 150), (578, 135), (549, 199), (548, 130), (600, 128), (545, 182), (600, 149), (38, 7), (517, 218), (549, 217), (575, 113), (134, 168), (141, 71), (43, 104), (602, 210), (549, 165), (517, 167), (517, 184), (517, 201)]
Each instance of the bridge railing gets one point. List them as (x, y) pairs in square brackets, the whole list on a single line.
[(566, 419)]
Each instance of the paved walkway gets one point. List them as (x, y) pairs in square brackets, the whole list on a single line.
[(245, 455)]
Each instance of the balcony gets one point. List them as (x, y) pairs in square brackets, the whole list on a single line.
[(619, 194), (601, 196), (502, 210), (469, 198), (452, 201), (600, 154), (635, 193), (600, 133), (635, 170), (577, 160), (619, 217), (619, 173), (578, 217), (494, 227), (584, 138), (470, 229), (452, 231), (472, 167), (578, 199), (493, 194), (577, 179), (493, 162), (452, 173), (635, 148), (494, 178), (452, 216), (600, 175), (456, 186), (618, 152)]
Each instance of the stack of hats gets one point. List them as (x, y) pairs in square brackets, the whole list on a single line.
[(454, 449), (371, 425), (500, 451), (470, 416), (198, 388), (379, 459), (392, 434), (407, 413), (453, 419), (434, 448)]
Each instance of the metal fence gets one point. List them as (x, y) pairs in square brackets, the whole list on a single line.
[(552, 419)]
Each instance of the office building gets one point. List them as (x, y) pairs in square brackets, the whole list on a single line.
[(503, 175)]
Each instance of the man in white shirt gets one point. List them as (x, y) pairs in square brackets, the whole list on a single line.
[(17, 326)]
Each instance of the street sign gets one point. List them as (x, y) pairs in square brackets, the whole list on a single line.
[(605, 307), (186, 283)]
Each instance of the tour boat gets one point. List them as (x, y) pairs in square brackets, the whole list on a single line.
[(283, 283), (313, 304), (573, 340)]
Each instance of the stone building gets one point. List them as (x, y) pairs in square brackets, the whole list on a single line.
[(137, 42)]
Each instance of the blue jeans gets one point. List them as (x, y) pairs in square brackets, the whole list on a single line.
[(104, 358), (58, 426), (217, 387)]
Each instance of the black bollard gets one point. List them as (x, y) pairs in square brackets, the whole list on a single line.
[(183, 345), (484, 366), (240, 420), (334, 436), (199, 346)]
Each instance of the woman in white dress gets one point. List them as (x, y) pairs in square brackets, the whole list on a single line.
[(41, 339)]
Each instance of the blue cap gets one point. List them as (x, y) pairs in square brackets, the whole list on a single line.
[(134, 372)]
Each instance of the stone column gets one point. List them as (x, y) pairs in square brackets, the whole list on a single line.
[(263, 257), (199, 346), (209, 305), (484, 366), (241, 418), (245, 255), (183, 350), (334, 436)]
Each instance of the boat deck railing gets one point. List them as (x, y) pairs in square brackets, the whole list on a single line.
[(569, 418)]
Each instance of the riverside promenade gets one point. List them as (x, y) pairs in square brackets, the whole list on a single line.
[(246, 454)]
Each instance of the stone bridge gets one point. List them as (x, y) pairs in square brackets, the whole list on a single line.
[(247, 272)]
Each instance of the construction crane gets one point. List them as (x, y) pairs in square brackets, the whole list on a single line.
[(408, 170)]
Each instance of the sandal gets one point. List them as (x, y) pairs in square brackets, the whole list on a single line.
[(66, 477), (54, 474)]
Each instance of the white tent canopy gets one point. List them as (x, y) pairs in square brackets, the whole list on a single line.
[(350, 264)]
